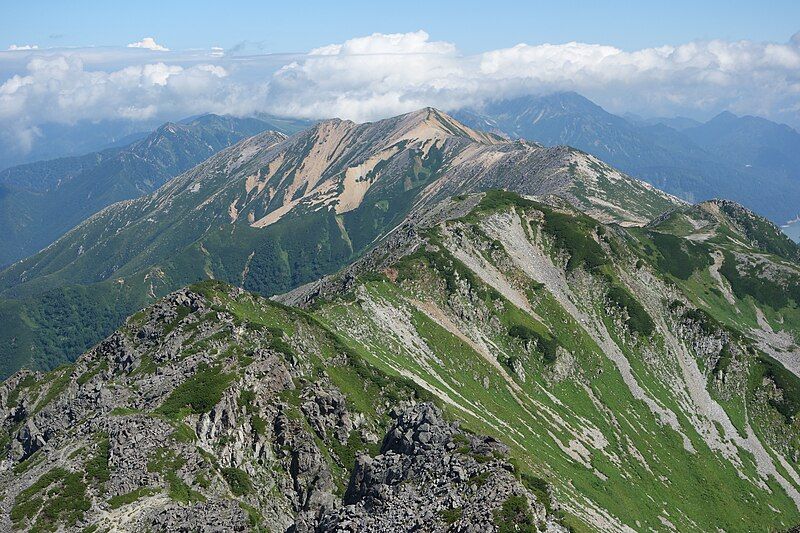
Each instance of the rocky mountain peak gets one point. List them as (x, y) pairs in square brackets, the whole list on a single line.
[(430, 124)]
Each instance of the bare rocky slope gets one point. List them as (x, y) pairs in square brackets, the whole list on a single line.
[(271, 213)]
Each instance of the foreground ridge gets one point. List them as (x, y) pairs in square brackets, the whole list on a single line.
[(613, 369), (217, 410)]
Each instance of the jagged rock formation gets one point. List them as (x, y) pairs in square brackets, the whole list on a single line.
[(431, 477)]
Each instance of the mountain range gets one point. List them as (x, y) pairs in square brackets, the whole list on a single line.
[(465, 333), (271, 213), (497, 363), (40, 201), (748, 159)]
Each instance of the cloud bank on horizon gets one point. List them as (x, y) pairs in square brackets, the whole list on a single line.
[(380, 75)]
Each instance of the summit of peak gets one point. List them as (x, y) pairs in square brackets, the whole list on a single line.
[(430, 123)]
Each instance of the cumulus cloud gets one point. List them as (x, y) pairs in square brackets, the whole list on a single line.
[(380, 75), (15, 47), (59, 88), (150, 44), (374, 76)]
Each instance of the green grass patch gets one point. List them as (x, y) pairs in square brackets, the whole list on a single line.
[(546, 344), (57, 386), (97, 468), (638, 320), (238, 481), (572, 234), (13, 397), (786, 381), (167, 463), (348, 452), (57, 497), (497, 199), (259, 425), (680, 257), (514, 516), (451, 516), (92, 372), (32, 460), (182, 312), (540, 488), (762, 289), (246, 400), (183, 433), (198, 394), (118, 501), (124, 411), (253, 516)]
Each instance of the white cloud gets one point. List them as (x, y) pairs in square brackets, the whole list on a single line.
[(380, 75), (150, 44), (16, 47), (377, 75), (60, 88)]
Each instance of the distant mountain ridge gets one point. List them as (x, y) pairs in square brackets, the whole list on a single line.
[(271, 213), (747, 159), (56, 140), (41, 201), (752, 142)]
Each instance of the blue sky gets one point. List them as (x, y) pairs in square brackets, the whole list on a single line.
[(66, 61), (474, 26)]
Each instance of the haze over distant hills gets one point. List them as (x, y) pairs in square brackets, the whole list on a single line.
[(56, 140), (747, 159)]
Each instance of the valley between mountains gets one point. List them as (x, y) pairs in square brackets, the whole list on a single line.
[(405, 323)]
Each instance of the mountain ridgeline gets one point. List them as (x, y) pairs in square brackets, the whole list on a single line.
[(577, 352), (41, 201), (496, 363), (271, 213), (747, 159)]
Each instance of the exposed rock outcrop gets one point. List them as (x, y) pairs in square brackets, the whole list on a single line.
[(430, 476)]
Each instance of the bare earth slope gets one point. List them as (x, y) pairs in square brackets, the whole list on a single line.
[(272, 213)]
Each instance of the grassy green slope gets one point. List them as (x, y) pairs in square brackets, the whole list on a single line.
[(481, 338), (743, 271), (137, 251)]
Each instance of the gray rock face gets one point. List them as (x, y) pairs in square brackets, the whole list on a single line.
[(430, 476), (213, 517)]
